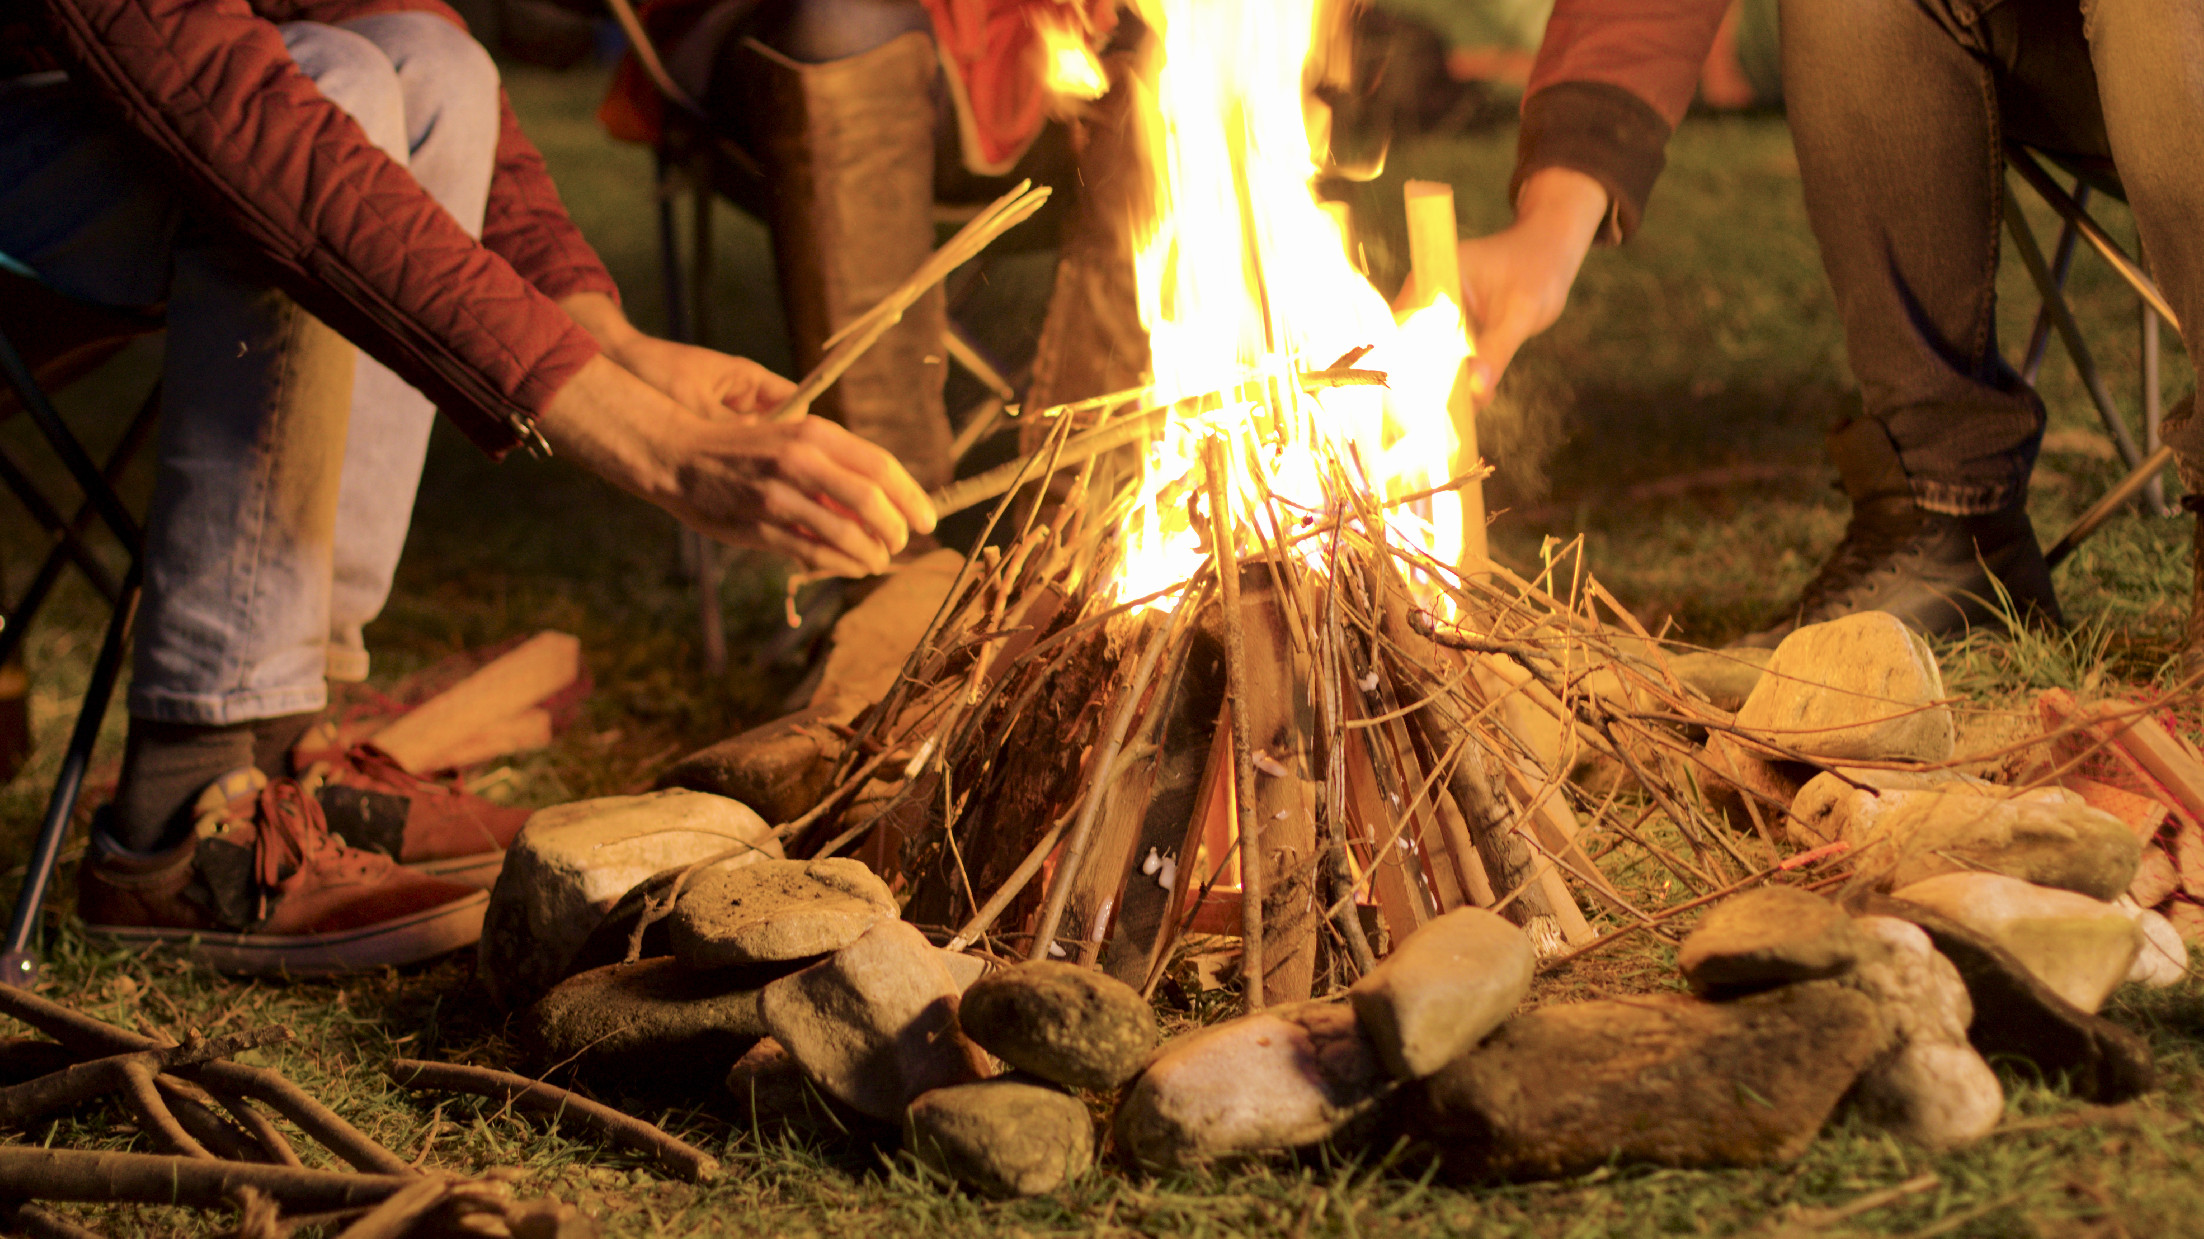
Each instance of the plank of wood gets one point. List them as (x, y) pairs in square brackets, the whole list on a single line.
[(517, 680), (522, 733), (1435, 264), (2143, 814), (2170, 761)]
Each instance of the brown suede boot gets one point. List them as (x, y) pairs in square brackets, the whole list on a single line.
[(263, 887), (849, 148)]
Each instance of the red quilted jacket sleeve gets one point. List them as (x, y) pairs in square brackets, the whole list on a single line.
[(1611, 80), (345, 229)]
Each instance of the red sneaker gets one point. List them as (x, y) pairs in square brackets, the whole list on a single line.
[(428, 825), (263, 887)]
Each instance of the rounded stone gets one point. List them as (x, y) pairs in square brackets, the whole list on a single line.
[(1003, 1137), (1061, 1022), (1775, 935), (777, 910)]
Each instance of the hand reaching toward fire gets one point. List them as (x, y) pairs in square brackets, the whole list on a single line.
[(807, 489), (704, 381), (1516, 282)]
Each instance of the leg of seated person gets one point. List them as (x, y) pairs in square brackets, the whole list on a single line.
[(447, 136), (1893, 107), (842, 112)]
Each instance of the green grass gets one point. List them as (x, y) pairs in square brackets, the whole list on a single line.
[(1709, 342)]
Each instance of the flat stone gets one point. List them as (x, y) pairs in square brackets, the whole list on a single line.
[(572, 863), (1442, 989), (650, 1021), (1824, 808), (1860, 688), (1899, 838), (2016, 1015), (1933, 1088), (1663, 1079), (1280, 1078), (1061, 1022), (773, 1095), (1775, 935), (1005, 1137), (789, 909), (2164, 958), (875, 1024), (2081, 947)]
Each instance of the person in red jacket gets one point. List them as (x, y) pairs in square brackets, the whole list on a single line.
[(1899, 109), (347, 229)]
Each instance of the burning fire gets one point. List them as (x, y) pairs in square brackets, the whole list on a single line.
[(1069, 68), (1245, 284)]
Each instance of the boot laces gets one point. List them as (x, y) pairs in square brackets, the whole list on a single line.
[(1871, 542), (292, 835)]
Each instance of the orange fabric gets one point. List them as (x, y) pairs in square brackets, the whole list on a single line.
[(1652, 48)]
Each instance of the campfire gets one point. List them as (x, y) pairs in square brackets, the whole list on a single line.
[(1241, 664)]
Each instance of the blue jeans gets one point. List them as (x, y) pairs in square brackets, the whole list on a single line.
[(287, 460)]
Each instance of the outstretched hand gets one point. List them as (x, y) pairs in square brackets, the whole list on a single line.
[(807, 489), (1515, 282), (704, 381)]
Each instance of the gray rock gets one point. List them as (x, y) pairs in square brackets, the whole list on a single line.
[(1662, 1079), (1003, 1137), (2048, 838), (571, 863), (1061, 1022), (649, 1022), (772, 1094), (2081, 947), (1860, 688), (2017, 1016), (1442, 989), (1774, 935), (875, 1024), (1280, 1078), (2164, 959), (1823, 809), (790, 909), (1933, 1087)]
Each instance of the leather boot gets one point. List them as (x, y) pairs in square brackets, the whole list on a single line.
[(1940, 574), (849, 148)]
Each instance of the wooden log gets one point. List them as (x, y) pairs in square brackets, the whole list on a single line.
[(155, 1179), (1206, 855), (524, 732), (1434, 259), (1276, 700), (422, 738)]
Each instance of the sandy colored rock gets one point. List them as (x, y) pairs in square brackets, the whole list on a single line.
[(651, 1021), (2017, 1016), (571, 863), (2049, 838), (781, 910), (1863, 687), (1664, 1079), (1775, 935), (2081, 947), (772, 1095), (1442, 989), (1072, 1025), (1932, 1088), (1004, 1137), (1280, 1078), (875, 1024), (1823, 809)]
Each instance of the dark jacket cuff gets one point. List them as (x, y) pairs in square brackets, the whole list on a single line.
[(1603, 131)]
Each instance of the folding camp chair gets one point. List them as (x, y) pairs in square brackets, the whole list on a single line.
[(694, 159), (47, 342), (2147, 461)]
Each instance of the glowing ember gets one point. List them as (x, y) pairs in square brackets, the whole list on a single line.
[(1068, 66), (1244, 276)]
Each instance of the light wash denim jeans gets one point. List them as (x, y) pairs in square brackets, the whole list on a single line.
[(287, 461)]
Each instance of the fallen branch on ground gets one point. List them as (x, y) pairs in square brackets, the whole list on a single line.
[(677, 1156)]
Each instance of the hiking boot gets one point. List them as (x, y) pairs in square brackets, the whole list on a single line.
[(262, 887), (1940, 574), (435, 827)]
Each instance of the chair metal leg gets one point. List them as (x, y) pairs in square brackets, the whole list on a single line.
[(2062, 319), (18, 621), (2101, 511), (65, 445), (49, 518), (19, 957), (2062, 261)]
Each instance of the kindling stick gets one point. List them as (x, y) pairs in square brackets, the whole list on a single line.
[(1243, 752), (1437, 267), (851, 342)]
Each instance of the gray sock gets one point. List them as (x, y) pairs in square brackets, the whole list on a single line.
[(164, 768)]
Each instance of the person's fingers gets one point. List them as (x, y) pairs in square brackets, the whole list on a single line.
[(823, 477), (788, 506), (752, 388), (810, 553), (877, 465), (1497, 343)]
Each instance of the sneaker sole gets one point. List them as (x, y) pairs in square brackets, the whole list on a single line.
[(479, 870), (408, 940)]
